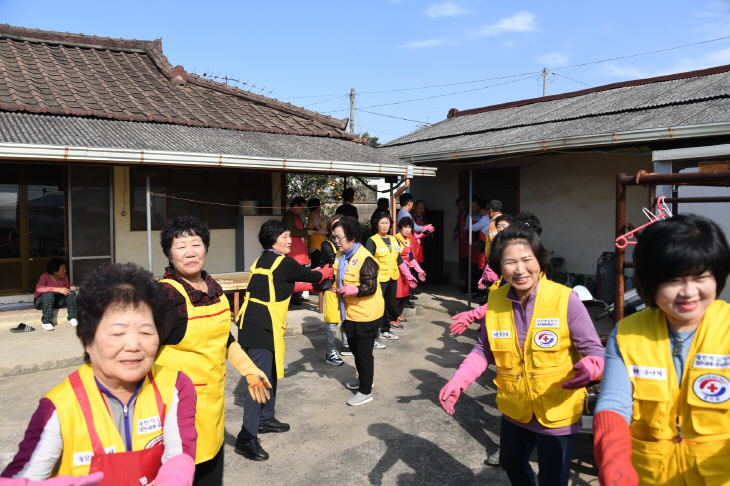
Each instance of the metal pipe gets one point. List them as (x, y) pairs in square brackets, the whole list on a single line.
[(149, 225), (697, 199), (688, 178), (468, 271), (618, 299)]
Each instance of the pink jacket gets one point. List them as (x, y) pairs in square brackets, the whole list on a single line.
[(47, 284)]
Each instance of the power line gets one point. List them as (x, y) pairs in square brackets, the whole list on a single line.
[(396, 117), (325, 101), (439, 96), (579, 82), (525, 74)]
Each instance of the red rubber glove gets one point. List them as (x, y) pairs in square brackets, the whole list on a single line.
[(465, 318), (417, 268), (302, 286), (90, 480), (585, 370), (470, 369), (412, 282), (328, 273), (612, 450), (346, 290)]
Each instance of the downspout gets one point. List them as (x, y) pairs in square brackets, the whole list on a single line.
[(392, 204)]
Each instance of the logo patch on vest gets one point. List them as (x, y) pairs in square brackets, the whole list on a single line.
[(501, 334), (553, 322), (714, 361), (84, 458), (353, 263), (546, 339), (154, 442), (712, 388), (147, 425), (648, 372)]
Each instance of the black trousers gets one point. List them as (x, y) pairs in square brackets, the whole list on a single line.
[(253, 412), (362, 351), (553, 456), (463, 268), (210, 472), (389, 289), (401, 304)]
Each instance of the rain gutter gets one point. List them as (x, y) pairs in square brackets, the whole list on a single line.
[(70, 154)]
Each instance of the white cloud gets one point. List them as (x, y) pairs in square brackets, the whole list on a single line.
[(424, 43), (446, 9), (520, 22), (554, 59)]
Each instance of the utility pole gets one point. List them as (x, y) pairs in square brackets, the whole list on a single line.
[(352, 111), (544, 74)]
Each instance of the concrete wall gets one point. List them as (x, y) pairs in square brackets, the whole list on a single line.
[(131, 246), (573, 195)]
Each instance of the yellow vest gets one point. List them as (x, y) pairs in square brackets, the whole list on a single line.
[(359, 309), (699, 409), (146, 422), (331, 305), (315, 241), (387, 258), (277, 311), (202, 356), (528, 383)]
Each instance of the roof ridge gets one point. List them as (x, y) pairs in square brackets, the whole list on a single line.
[(571, 94), (8, 31), (545, 122)]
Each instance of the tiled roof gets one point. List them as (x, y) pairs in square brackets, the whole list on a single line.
[(693, 98), (86, 76)]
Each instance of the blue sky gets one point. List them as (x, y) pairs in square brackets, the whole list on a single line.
[(311, 53)]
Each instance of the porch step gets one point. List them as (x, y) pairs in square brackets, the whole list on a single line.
[(27, 314)]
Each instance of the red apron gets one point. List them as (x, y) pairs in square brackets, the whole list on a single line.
[(463, 238), (417, 248), (403, 290), (133, 468), (477, 256), (299, 250)]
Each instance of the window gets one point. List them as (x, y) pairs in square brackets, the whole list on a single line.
[(215, 186)]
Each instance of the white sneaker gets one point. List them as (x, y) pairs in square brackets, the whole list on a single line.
[(47, 327), (73, 322), (360, 399), (378, 344), (355, 384), (389, 335)]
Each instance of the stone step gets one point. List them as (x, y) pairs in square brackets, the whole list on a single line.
[(31, 316)]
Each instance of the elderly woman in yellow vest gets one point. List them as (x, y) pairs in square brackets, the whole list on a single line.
[(361, 304), (119, 413), (386, 250), (262, 323), (663, 415), (545, 347), (200, 340)]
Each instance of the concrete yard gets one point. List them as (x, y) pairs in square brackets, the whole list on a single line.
[(403, 437)]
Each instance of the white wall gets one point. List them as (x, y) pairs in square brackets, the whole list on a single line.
[(131, 246), (573, 195)]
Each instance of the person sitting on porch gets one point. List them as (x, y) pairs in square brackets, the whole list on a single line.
[(201, 339), (53, 291), (120, 413)]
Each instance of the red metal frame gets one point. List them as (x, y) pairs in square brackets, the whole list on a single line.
[(650, 181)]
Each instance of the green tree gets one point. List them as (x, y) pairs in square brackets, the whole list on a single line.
[(328, 189), (372, 141)]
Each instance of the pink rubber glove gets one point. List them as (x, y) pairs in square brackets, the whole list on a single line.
[(419, 270), (465, 318), (418, 236), (346, 290), (489, 275), (473, 366), (412, 282), (481, 285), (586, 370), (177, 471), (456, 235), (428, 227), (89, 480), (302, 286)]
